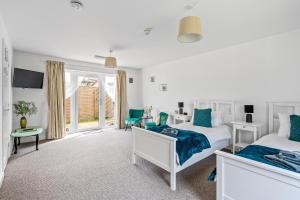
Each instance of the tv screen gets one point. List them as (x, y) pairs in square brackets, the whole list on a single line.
[(27, 79)]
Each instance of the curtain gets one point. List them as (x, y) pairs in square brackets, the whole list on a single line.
[(56, 100), (121, 98)]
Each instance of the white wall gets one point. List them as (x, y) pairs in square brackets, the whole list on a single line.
[(37, 62), (255, 72), (5, 114), (134, 90)]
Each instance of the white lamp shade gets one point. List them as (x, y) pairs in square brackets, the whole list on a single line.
[(110, 62), (189, 29)]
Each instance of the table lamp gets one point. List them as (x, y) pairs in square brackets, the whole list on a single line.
[(180, 106), (249, 109)]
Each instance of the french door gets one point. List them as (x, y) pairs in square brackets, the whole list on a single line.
[(90, 101)]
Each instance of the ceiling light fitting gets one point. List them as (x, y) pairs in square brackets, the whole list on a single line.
[(191, 4), (148, 30), (76, 4)]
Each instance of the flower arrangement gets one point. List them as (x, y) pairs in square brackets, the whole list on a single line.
[(148, 111), (23, 108)]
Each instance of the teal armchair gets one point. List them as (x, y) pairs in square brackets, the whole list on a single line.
[(163, 118), (134, 119)]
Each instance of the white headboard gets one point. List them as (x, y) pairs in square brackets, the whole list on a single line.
[(227, 107), (280, 107)]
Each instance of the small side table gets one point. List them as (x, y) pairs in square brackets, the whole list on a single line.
[(254, 128), (19, 133), (145, 118), (179, 118)]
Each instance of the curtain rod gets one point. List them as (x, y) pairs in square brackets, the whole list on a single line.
[(75, 65)]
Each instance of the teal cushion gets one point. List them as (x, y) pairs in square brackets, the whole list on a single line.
[(295, 128), (163, 118), (202, 117), (135, 113), (150, 123), (133, 121)]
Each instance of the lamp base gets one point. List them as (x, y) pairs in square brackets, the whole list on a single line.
[(181, 111), (249, 118)]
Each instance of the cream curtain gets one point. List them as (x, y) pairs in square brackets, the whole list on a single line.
[(56, 100), (121, 98)]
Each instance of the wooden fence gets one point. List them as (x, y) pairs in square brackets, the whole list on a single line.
[(88, 105)]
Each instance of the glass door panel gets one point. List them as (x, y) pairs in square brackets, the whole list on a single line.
[(68, 114), (68, 103), (110, 100), (88, 94)]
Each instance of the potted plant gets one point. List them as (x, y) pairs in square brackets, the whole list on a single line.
[(23, 108)]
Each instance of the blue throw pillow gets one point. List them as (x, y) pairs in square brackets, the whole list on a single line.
[(202, 117), (295, 128)]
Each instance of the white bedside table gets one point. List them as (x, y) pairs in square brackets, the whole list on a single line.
[(254, 128), (178, 118)]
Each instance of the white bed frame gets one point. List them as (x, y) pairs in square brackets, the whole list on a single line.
[(239, 178), (161, 149)]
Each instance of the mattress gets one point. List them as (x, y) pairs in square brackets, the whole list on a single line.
[(274, 141), (213, 135)]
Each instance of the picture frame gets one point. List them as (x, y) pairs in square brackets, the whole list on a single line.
[(163, 87), (130, 80), (152, 79)]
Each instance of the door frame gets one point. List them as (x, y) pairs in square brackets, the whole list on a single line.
[(74, 101)]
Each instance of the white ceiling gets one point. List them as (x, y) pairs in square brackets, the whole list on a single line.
[(52, 27)]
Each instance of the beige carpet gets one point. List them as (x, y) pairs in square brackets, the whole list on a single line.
[(97, 165)]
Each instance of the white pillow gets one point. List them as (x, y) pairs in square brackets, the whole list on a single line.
[(284, 125), (217, 118)]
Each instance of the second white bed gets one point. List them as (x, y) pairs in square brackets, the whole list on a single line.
[(242, 178), (275, 141)]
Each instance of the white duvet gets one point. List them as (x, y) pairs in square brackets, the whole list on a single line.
[(275, 141), (213, 135)]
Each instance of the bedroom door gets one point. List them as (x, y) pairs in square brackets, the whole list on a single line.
[(5, 112)]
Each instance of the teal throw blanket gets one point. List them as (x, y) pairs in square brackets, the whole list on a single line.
[(188, 142), (271, 156), (266, 155)]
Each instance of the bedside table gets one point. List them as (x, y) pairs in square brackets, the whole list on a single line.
[(178, 118), (254, 128)]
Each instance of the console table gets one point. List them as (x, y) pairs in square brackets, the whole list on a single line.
[(19, 133)]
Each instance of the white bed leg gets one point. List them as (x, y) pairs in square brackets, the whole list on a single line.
[(173, 166), (173, 180)]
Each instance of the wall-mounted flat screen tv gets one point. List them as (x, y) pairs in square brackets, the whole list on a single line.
[(27, 79)]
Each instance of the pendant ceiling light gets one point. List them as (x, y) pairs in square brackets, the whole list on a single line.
[(110, 62), (189, 29)]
